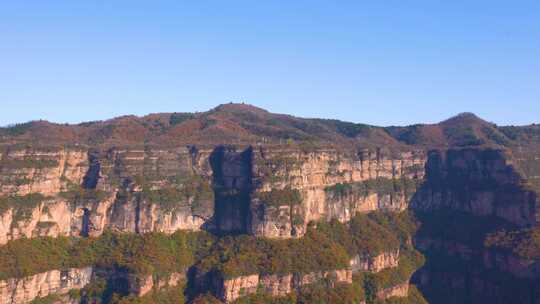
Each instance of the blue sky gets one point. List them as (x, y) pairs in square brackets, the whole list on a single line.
[(378, 62)]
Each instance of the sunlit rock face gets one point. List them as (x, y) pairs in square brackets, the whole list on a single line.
[(24, 290), (82, 193)]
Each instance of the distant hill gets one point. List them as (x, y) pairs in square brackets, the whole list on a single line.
[(247, 124)]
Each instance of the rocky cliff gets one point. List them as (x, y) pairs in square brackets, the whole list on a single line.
[(479, 181), (279, 285), (81, 193), (241, 171), (329, 184), (276, 285), (24, 290), (375, 263)]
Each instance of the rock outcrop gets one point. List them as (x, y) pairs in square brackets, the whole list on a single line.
[(398, 291), (312, 174), (141, 285), (375, 263), (24, 290), (229, 290)]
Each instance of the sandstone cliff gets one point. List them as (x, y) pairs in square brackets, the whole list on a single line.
[(375, 263), (78, 193), (277, 285), (24, 290)]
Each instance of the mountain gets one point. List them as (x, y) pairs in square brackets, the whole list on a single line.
[(243, 123), (240, 205)]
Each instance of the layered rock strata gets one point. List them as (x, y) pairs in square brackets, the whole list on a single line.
[(24, 290)]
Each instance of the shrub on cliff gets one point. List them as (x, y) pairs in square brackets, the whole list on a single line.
[(380, 186), (190, 190), (22, 205), (167, 295), (26, 257), (362, 236), (280, 197), (403, 225)]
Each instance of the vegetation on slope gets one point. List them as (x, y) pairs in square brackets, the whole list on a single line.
[(280, 197), (410, 260), (243, 255), (22, 205), (362, 236), (101, 293), (152, 253), (326, 246)]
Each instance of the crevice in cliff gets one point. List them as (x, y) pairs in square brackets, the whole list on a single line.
[(232, 184), (91, 177), (193, 156), (137, 214), (85, 228)]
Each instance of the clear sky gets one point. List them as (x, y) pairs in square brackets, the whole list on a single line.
[(379, 62)]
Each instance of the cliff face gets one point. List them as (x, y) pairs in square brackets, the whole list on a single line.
[(45, 171), (375, 263), (16, 291), (478, 181), (82, 193), (468, 195), (229, 290), (313, 174), (398, 291), (269, 192), (142, 285), (219, 189)]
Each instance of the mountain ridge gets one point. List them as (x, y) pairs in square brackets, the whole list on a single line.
[(248, 124)]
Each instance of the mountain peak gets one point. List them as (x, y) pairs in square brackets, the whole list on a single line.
[(464, 118), (239, 107)]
